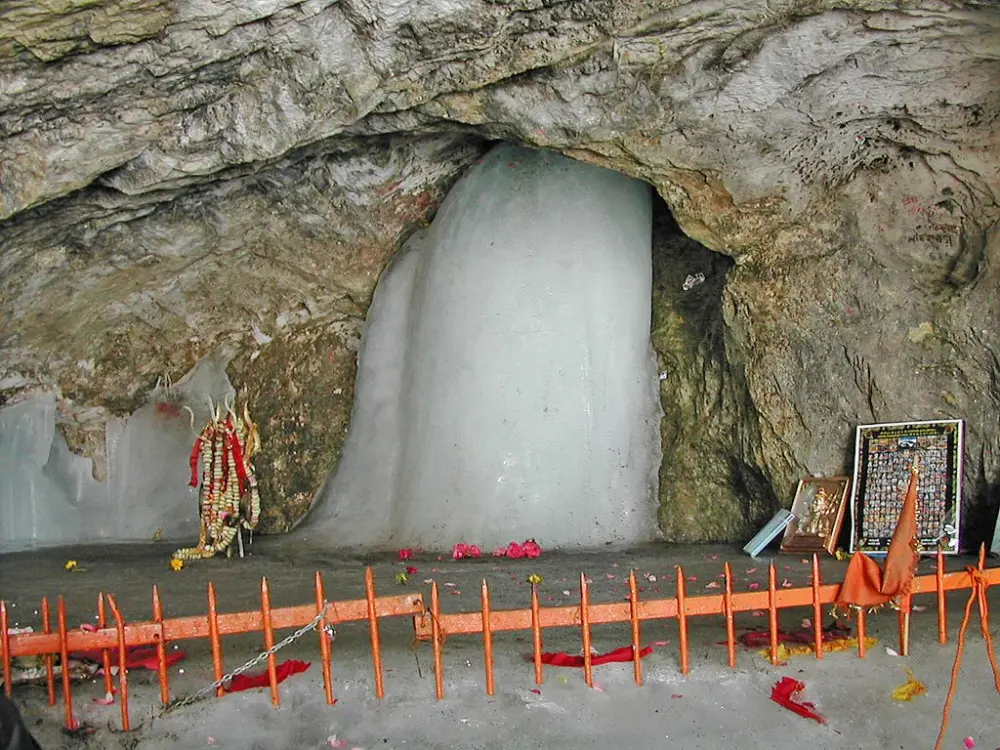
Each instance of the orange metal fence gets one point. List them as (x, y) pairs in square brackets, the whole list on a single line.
[(433, 625)]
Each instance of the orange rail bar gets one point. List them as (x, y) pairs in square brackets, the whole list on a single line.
[(487, 637), (817, 608), (324, 641), (161, 650), (633, 602), (536, 634), (272, 659), (102, 622), (5, 644), (469, 623), (588, 666), (64, 661), (50, 680), (122, 662), (234, 623)]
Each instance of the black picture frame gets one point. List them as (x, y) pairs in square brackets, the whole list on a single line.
[(883, 454)]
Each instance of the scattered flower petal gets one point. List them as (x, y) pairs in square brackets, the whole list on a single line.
[(499, 552), (428, 581), (534, 579), (610, 576), (176, 565), (969, 742), (450, 584), (754, 586), (919, 608), (692, 578), (804, 561), (891, 651), (676, 695), (758, 613), (786, 584), (405, 554), (565, 592), (536, 691), (410, 570), (751, 570), (806, 623), (107, 700), (712, 585), (531, 548), (715, 557)]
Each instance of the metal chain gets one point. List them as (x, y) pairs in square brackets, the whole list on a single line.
[(188, 700)]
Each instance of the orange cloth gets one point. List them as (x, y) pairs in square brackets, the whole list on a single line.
[(866, 585)]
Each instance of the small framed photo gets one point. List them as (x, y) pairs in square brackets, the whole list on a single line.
[(883, 456), (819, 506)]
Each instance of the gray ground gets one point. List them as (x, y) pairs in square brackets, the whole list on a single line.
[(713, 707)]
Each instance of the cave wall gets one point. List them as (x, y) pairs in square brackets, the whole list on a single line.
[(178, 175)]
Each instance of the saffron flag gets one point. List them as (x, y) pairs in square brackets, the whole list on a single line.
[(867, 585)]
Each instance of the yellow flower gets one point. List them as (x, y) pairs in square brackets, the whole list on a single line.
[(534, 579), (176, 564), (71, 565)]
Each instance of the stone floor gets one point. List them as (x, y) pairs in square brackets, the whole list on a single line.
[(713, 707)]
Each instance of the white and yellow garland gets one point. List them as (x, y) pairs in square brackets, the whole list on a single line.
[(229, 499)]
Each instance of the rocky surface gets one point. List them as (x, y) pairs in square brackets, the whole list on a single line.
[(176, 175)]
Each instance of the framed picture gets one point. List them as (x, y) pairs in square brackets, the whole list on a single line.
[(883, 455), (819, 506)]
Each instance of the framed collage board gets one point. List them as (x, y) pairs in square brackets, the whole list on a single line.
[(883, 455)]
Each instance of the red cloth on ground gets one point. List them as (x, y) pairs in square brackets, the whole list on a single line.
[(137, 657), (562, 659), (248, 681), (785, 692)]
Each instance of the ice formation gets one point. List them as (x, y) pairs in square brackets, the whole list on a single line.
[(507, 388), (48, 495)]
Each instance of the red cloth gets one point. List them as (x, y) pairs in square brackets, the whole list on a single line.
[(248, 681), (761, 638), (562, 659), (137, 657), (786, 691)]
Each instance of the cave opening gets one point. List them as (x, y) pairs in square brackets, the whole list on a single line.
[(513, 374)]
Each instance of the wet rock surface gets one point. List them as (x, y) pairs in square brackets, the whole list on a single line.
[(180, 176)]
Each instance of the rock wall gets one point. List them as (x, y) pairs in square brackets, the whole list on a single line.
[(180, 174)]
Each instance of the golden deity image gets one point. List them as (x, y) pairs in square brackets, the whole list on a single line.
[(229, 501)]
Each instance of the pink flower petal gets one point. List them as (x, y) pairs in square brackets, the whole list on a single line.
[(500, 552), (758, 613), (786, 584), (713, 585), (751, 570), (754, 586), (610, 576), (806, 623), (969, 742), (692, 578), (531, 548)]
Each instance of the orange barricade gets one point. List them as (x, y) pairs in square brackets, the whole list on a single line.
[(432, 625)]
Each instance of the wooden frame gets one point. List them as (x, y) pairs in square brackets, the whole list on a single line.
[(883, 454), (817, 527)]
